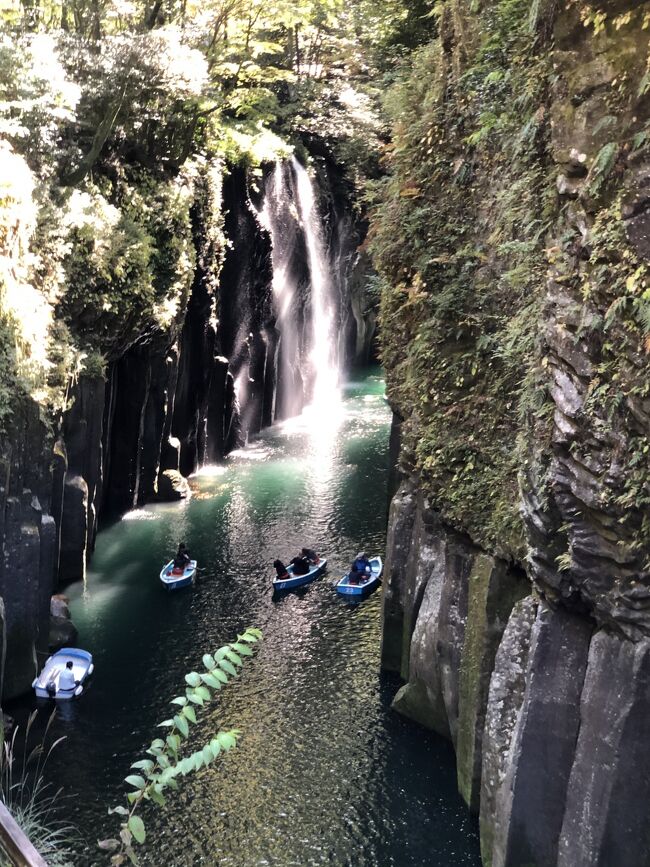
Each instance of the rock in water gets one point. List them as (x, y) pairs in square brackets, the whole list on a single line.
[(63, 633), (172, 486)]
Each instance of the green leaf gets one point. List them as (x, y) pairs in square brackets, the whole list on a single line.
[(189, 713), (194, 698), (166, 723), (219, 655), (173, 741), (135, 780), (181, 725), (221, 675), (197, 758), (203, 692), (136, 827), (215, 747), (157, 796), (228, 667), (145, 765), (242, 650), (211, 681), (207, 755), (121, 811), (186, 766), (132, 797), (250, 639), (193, 679), (156, 746), (232, 656), (180, 700), (208, 661), (226, 741)]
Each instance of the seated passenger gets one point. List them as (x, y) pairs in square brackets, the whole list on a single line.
[(310, 555), (300, 565), (360, 569), (182, 557), (67, 680), (281, 569)]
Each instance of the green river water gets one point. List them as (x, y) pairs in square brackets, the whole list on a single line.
[(325, 772)]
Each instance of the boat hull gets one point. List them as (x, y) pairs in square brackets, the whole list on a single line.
[(46, 685), (345, 588), (293, 581), (177, 582)]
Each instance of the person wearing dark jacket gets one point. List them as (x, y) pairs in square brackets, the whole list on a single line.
[(300, 565), (311, 555), (360, 568), (280, 569), (182, 557)]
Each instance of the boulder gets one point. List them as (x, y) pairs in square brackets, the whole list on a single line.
[(172, 486), (63, 633)]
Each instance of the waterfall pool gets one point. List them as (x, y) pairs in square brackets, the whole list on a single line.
[(325, 772)]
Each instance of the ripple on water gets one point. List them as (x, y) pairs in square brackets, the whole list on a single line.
[(325, 773)]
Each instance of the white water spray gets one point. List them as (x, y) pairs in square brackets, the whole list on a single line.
[(308, 354), (323, 355)]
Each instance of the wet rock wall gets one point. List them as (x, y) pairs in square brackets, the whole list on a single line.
[(533, 659), (172, 401)]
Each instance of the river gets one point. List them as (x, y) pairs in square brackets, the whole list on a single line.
[(324, 773)]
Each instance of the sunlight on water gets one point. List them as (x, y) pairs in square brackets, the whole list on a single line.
[(325, 773)]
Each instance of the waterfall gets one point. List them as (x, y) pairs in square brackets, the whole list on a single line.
[(323, 355), (304, 296)]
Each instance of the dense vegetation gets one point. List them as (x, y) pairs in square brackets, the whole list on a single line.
[(468, 227), (117, 118)]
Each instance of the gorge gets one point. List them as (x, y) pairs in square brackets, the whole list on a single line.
[(195, 271)]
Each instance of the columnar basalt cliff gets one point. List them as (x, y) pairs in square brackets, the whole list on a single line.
[(172, 392), (516, 604)]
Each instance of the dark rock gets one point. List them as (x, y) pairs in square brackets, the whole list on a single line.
[(63, 633), (74, 529), (59, 606), (607, 816), (398, 546), (532, 798), (494, 588), (506, 695), (172, 486)]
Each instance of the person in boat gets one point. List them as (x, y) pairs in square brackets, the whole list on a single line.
[(67, 679), (360, 568), (280, 569), (300, 565), (310, 555), (182, 557)]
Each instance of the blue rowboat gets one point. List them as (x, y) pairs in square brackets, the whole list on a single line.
[(174, 579), (345, 588), (291, 581), (47, 684)]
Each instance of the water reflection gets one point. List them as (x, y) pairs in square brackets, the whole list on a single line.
[(325, 773)]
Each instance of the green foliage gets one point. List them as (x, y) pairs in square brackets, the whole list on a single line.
[(458, 235), (168, 759)]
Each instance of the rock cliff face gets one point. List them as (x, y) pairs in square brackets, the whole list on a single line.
[(171, 400), (520, 623)]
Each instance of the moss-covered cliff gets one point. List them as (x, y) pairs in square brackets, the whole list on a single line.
[(513, 239)]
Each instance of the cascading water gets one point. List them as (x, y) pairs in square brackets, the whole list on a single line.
[(323, 355), (304, 295)]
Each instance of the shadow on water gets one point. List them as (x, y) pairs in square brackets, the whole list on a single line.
[(325, 773)]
